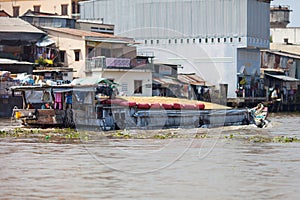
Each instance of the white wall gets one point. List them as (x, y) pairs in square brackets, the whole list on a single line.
[(125, 79), (246, 22), (292, 34)]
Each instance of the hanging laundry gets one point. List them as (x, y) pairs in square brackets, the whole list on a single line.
[(58, 101)]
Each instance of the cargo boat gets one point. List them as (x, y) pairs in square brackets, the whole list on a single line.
[(94, 107)]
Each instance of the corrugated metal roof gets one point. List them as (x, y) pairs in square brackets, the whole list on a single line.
[(90, 81), (165, 81), (16, 32), (17, 25), (45, 42), (286, 54), (293, 49), (284, 78), (83, 33), (192, 79), (5, 61)]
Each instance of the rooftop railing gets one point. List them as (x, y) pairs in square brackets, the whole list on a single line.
[(102, 62)]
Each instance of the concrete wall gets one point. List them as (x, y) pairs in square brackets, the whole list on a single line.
[(70, 44), (171, 31), (215, 62), (125, 79), (292, 34)]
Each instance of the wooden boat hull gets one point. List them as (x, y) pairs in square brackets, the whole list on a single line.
[(44, 117)]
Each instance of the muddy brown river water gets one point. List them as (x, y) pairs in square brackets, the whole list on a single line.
[(223, 164)]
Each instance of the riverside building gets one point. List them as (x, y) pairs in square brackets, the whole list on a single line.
[(219, 40)]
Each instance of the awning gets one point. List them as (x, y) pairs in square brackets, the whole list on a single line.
[(52, 70), (242, 71), (283, 78), (45, 42), (285, 54), (192, 79), (62, 89), (5, 61), (166, 81), (41, 87), (15, 32), (90, 81)]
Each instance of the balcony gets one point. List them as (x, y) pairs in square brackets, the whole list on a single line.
[(101, 63), (95, 63)]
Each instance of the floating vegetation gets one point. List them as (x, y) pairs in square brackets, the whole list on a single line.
[(229, 137), (159, 136), (260, 139), (199, 136), (276, 139), (69, 135), (121, 134), (285, 139)]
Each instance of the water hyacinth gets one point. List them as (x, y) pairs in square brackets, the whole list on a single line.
[(74, 136)]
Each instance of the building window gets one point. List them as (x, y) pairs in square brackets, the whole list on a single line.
[(78, 8), (36, 8), (73, 7), (199, 40), (77, 55), (240, 39), (145, 41), (62, 56), (16, 11), (64, 9), (169, 41), (212, 40), (231, 39), (194, 41), (157, 41), (181, 41), (151, 41), (175, 41), (219, 40), (187, 41), (138, 87), (206, 40), (224, 39)]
